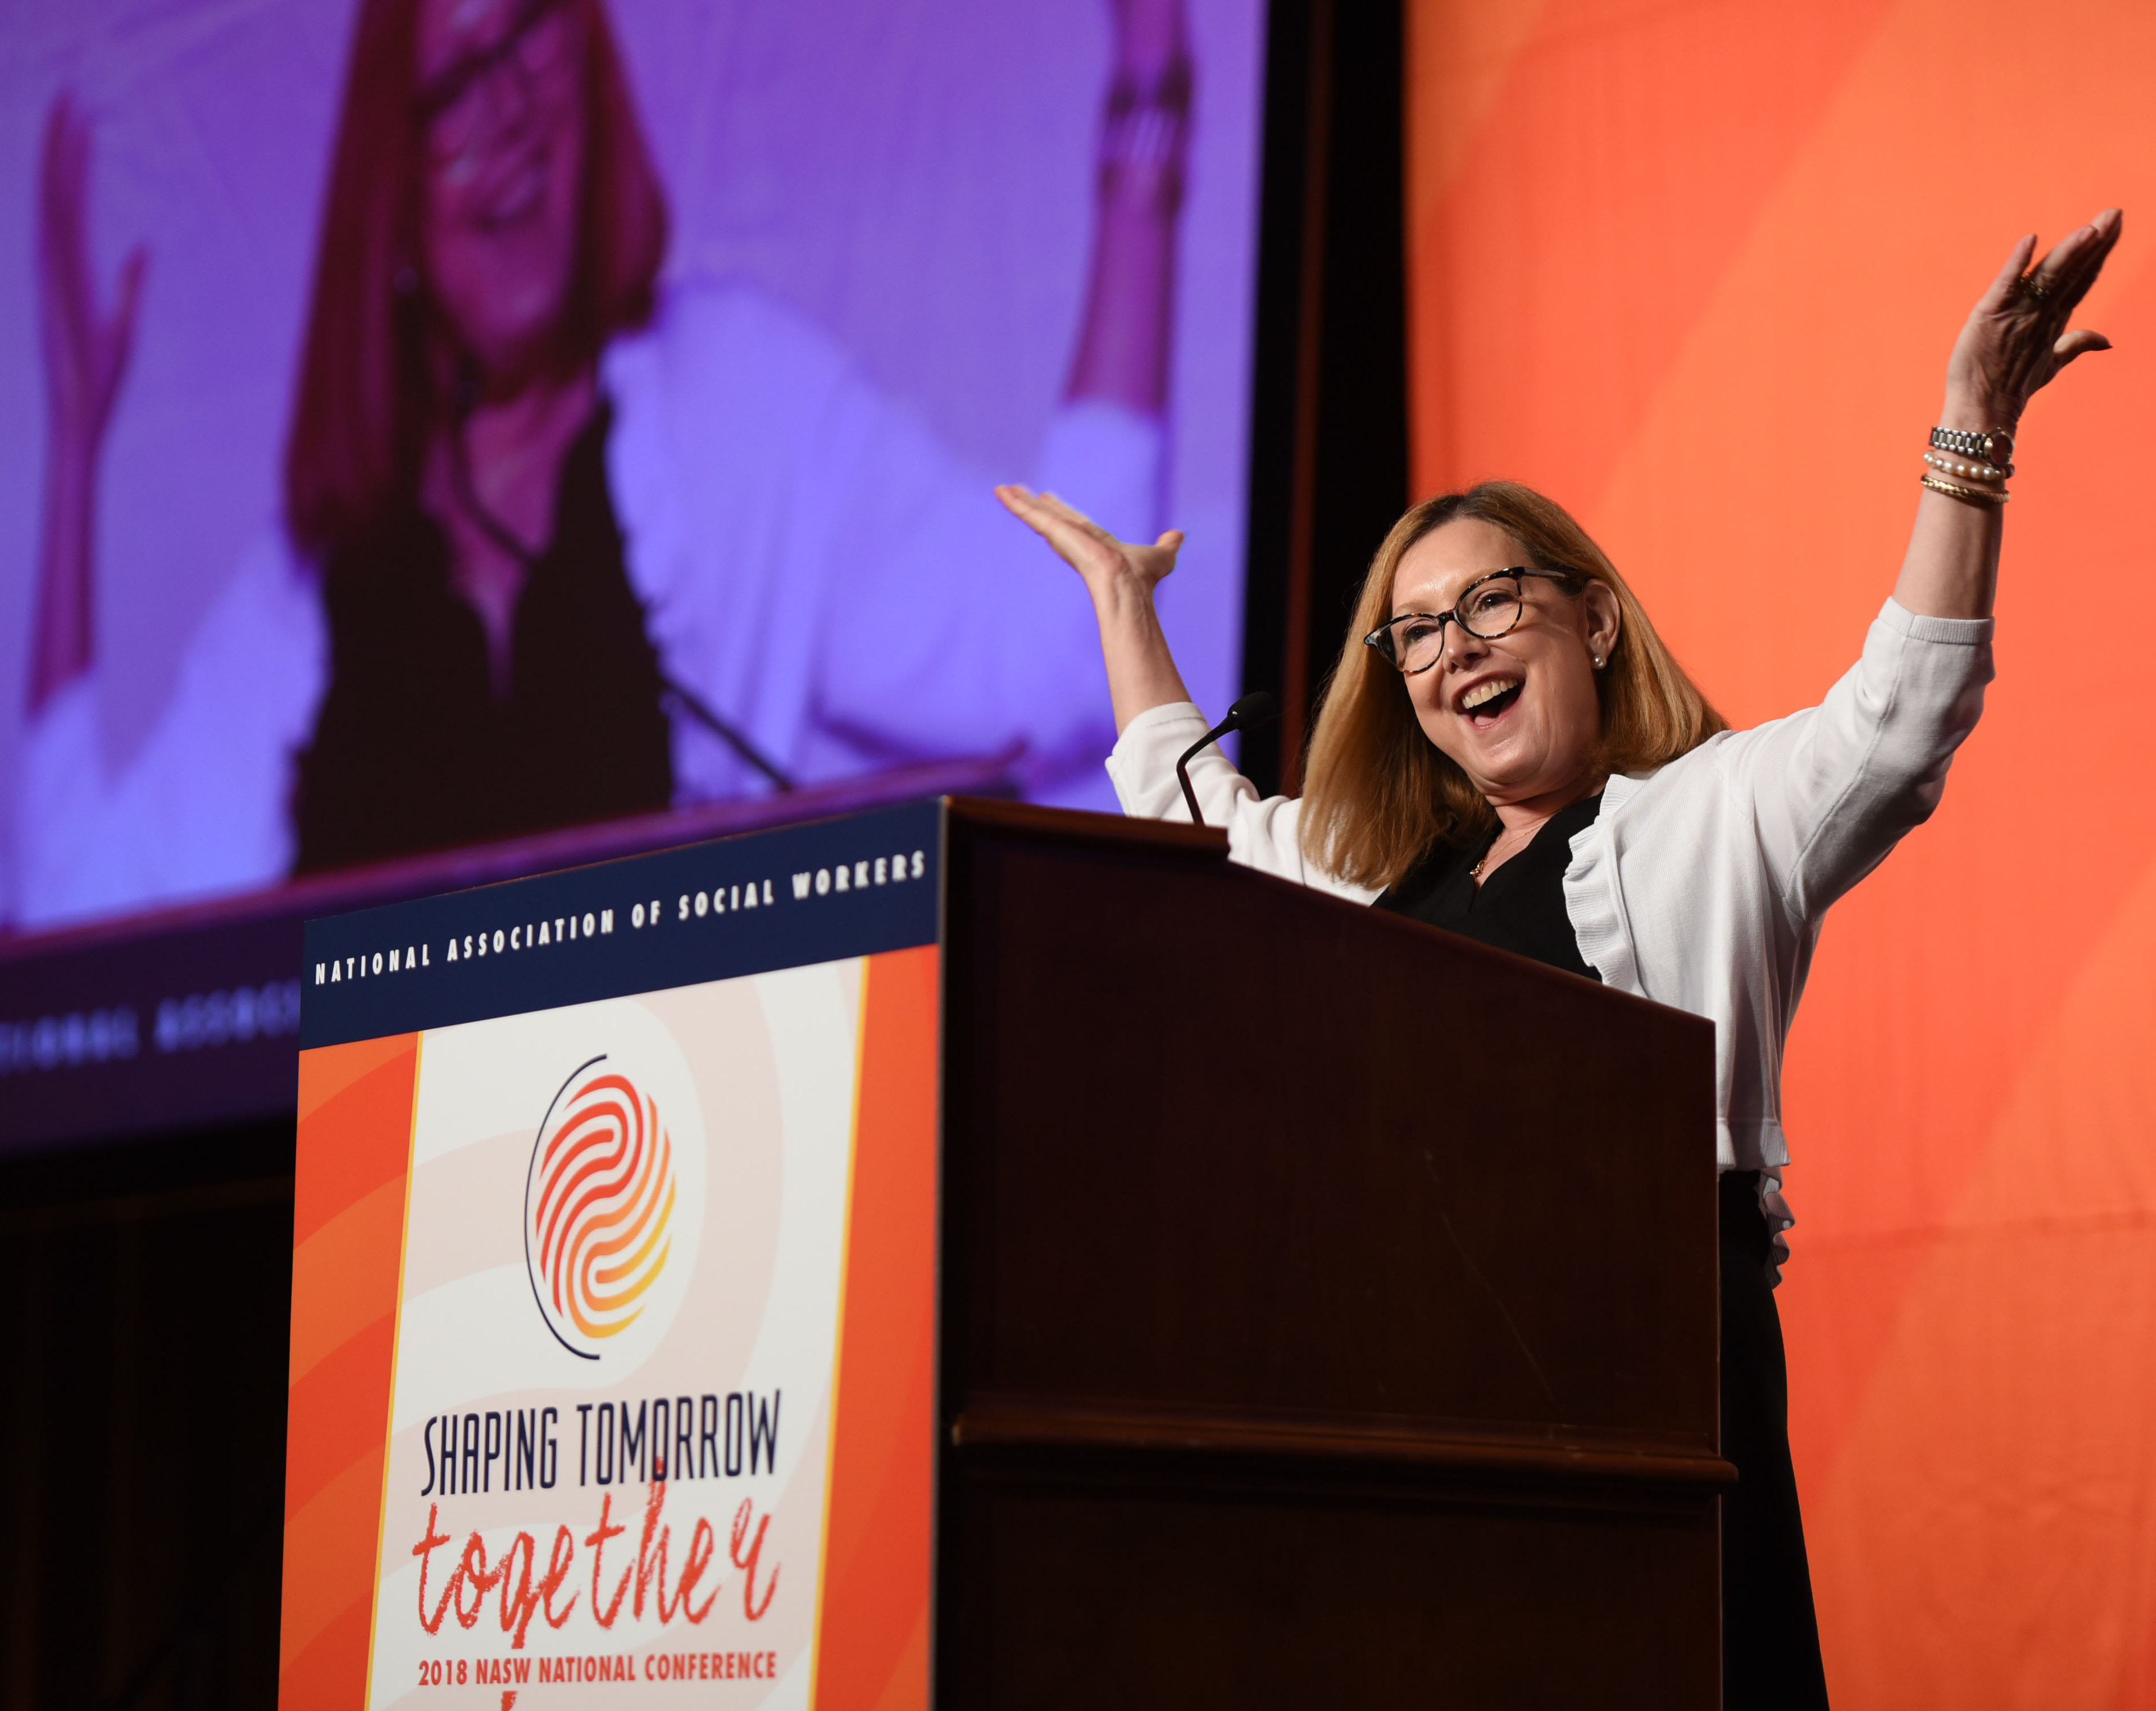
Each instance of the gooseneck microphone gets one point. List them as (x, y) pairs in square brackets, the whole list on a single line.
[(1252, 710)]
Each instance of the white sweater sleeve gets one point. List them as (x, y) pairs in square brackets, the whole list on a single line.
[(1263, 833), (1834, 787), (827, 571), (202, 807)]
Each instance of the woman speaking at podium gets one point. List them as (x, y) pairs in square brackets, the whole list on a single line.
[(1507, 750)]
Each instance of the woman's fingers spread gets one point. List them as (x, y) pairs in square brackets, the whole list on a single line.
[(1069, 512), (1040, 510), (60, 180), (1022, 504), (1080, 526), (66, 139), (2078, 258), (2102, 233), (2061, 254), (2082, 250), (2081, 341), (2107, 227), (63, 214), (2085, 263), (1088, 548), (1076, 544), (116, 336), (1056, 530), (2009, 281)]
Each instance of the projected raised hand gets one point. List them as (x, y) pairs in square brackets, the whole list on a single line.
[(84, 345), (1125, 341)]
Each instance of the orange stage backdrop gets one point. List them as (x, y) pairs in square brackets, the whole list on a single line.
[(1695, 268)]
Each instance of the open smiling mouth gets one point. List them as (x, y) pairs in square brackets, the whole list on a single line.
[(1488, 702), (514, 200)]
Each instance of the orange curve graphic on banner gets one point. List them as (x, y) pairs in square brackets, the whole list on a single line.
[(879, 1530), (354, 1166)]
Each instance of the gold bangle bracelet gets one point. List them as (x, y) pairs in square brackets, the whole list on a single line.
[(1973, 496)]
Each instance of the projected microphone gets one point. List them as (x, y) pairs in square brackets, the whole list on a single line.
[(466, 400), (1252, 710)]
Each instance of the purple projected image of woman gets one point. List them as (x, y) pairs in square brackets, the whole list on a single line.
[(537, 499)]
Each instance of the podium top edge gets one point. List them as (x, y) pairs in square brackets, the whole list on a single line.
[(1070, 825)]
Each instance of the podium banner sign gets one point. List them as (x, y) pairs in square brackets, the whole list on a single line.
[(614, 1285)]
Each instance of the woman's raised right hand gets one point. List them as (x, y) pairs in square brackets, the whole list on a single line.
[(85, 347), (1121, 576), (1113, 569)]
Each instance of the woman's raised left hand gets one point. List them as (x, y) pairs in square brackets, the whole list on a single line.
[(2016, 338)]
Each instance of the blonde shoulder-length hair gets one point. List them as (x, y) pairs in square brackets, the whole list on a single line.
[(1381, 795)]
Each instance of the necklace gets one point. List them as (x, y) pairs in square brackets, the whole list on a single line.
[(1475, 873)]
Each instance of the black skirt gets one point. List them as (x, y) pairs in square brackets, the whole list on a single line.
[(1770, 1649)]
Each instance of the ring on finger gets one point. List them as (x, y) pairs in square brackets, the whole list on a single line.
[(2034, 288)]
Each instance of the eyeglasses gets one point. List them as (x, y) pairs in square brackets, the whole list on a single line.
[(451, 105), (1488, 608)]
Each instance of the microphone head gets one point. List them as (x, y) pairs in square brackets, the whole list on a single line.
[(1253, 709)]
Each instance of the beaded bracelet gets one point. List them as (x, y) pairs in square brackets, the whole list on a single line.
[(1974, 495), (1975, 472)]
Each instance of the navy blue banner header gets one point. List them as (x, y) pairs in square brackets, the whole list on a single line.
[(709, 912)]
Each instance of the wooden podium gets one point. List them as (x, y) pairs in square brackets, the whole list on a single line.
[(1328, 1302), (1183, 1288)]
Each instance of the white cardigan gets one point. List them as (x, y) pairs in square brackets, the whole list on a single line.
[(1700, 885), (811, 560)]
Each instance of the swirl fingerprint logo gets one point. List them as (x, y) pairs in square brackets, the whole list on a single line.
[(599, 1206)]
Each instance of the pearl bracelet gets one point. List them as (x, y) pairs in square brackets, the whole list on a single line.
[(1974, 472), (1973, 496)]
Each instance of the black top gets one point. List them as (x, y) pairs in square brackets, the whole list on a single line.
[(1520, 907), (413, 751)]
